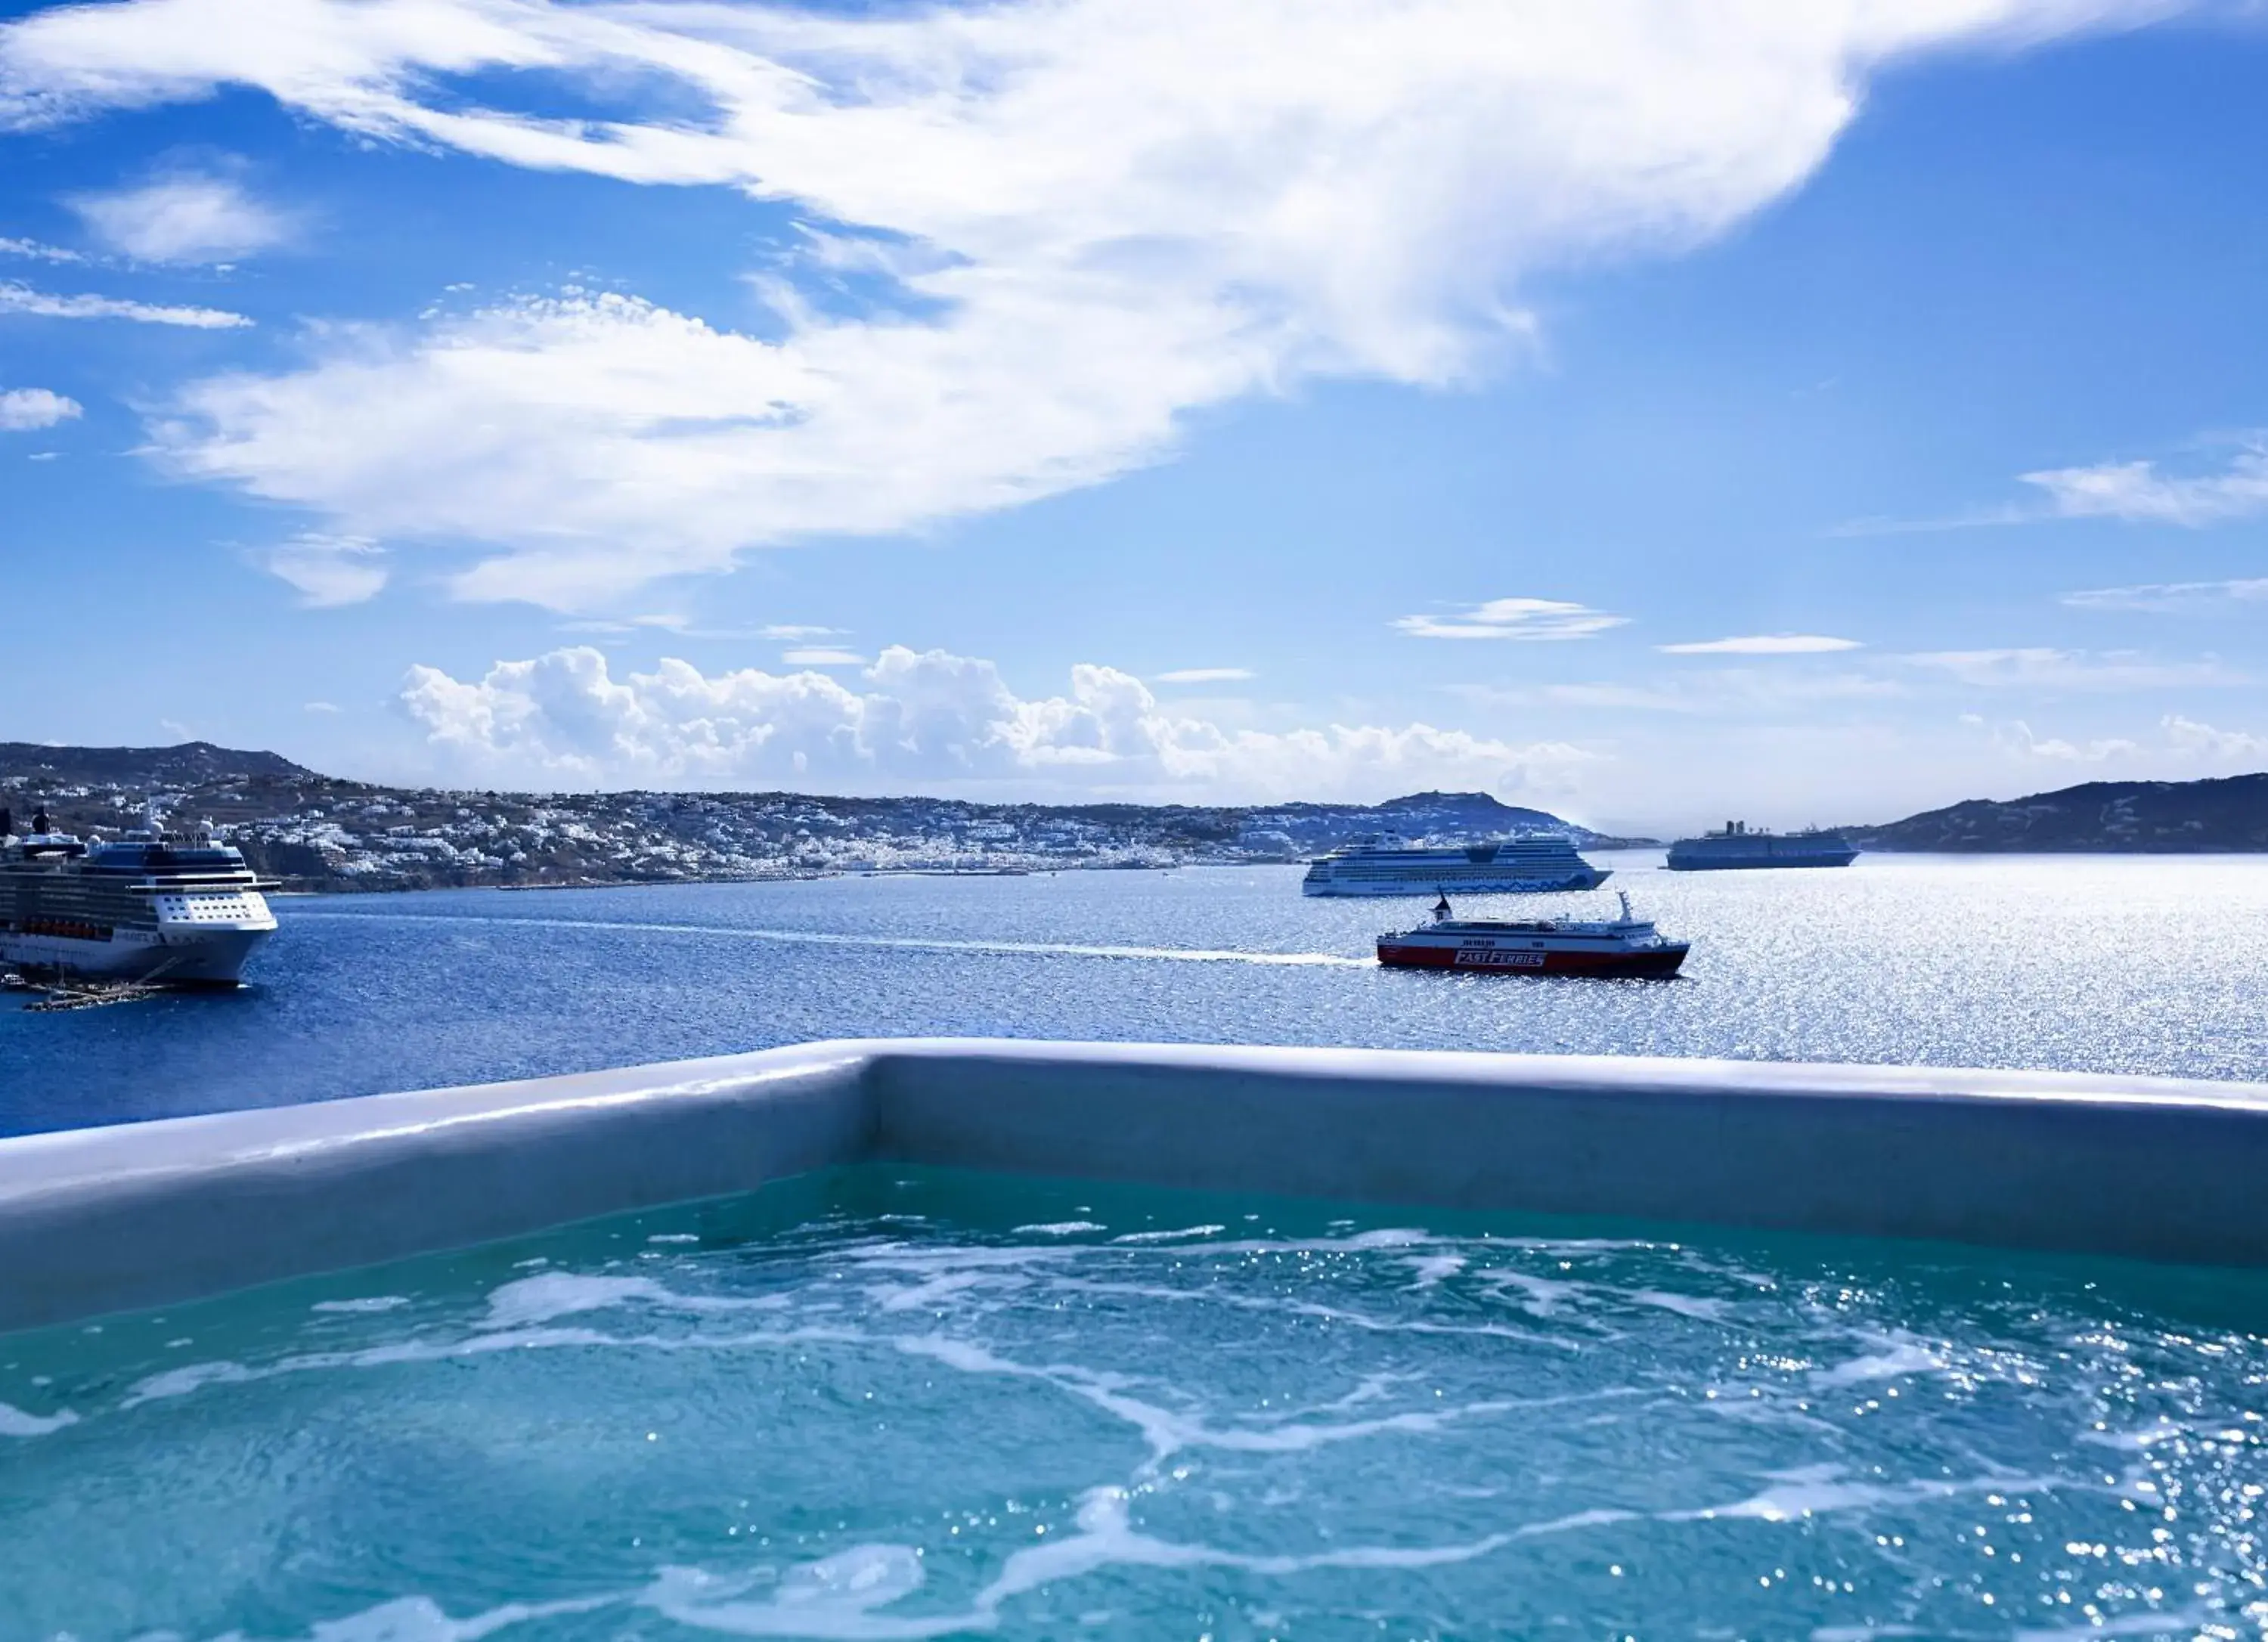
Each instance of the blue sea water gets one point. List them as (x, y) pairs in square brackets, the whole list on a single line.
[(2096, 963)]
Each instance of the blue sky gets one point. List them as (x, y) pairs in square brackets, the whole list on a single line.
[(1659, 412)]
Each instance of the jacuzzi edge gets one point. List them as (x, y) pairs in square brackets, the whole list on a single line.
[(100, 1220)]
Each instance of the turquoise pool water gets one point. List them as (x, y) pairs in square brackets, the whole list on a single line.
[(892, 1404)]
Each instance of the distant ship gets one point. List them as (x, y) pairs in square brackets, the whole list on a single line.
[(1530, 864), (1628, 946), (147, 907), (1738, 847)]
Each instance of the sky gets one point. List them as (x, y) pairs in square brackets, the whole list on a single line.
[(1659, 412)]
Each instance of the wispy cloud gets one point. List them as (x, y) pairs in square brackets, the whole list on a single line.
[(16, 297), (2171, 597), (2139, 493), (1718, 691), (2045, 669), (789, 632), (321, 707), (329, 570), (1086, 220), (35, 251), (1525, 619), (188, 219), (1206, 675), (822, 658), (1764, 644), (23, 409)]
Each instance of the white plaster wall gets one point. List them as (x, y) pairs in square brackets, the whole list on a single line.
[(98, 1220)]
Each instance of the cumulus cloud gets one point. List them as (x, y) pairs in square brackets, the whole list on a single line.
[(23, 409), (931, 716), (1089, 218), (189, 218), (17, 297), (1763, 645), (2139, 493), (329, 570), (2188, 735), (1528, 619), (2171, 597)]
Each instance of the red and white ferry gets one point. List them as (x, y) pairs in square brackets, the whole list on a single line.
[(1626, 946)]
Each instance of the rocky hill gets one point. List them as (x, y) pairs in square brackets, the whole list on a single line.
[(317, 832), (2163, 817)]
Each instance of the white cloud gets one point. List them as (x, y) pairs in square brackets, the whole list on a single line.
[(2138, 492), (934, 718), (1206, 675), (1763, 645), (2187, 735), (37, 252), (822, 658), (186, 219), (1093, 217), (17, 297), (329, 570), (2045, 669), (1531, 619), (23, 409), (2170, 598), (2019, 738), (789, 632), (322, 707)]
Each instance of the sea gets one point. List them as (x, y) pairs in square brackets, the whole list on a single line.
[(2098, 963)]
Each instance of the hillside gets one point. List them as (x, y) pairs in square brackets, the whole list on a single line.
[(2163, 817), (317, 832)]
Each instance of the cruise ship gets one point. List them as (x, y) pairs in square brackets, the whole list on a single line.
[(147, 908), (1738, 846), (1529, 864)]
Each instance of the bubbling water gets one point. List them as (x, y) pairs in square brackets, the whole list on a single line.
[(887, 1404)]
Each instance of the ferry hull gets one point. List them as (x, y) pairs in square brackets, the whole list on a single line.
[(206, 958), (1447, 884), (1652, 963)]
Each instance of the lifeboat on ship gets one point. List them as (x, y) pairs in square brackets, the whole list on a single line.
[(1627, 946)]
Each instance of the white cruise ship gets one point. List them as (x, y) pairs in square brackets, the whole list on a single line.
[(1527, 863), (147, 907)]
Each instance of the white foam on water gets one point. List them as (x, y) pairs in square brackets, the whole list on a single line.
[(1168, 1237), (675, 1237), (374, 1302), (1699, 1308), (553, 1294), (833, 1597), (14, 1422), (422, 1619), (1814, 1490), (1061, 1228), (1899, 1357), (1432, 1270), (945, 1285)]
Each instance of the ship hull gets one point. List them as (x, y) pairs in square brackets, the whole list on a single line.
[(1458, 884), (1650, 963), (206, 958), (1755, 851)]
